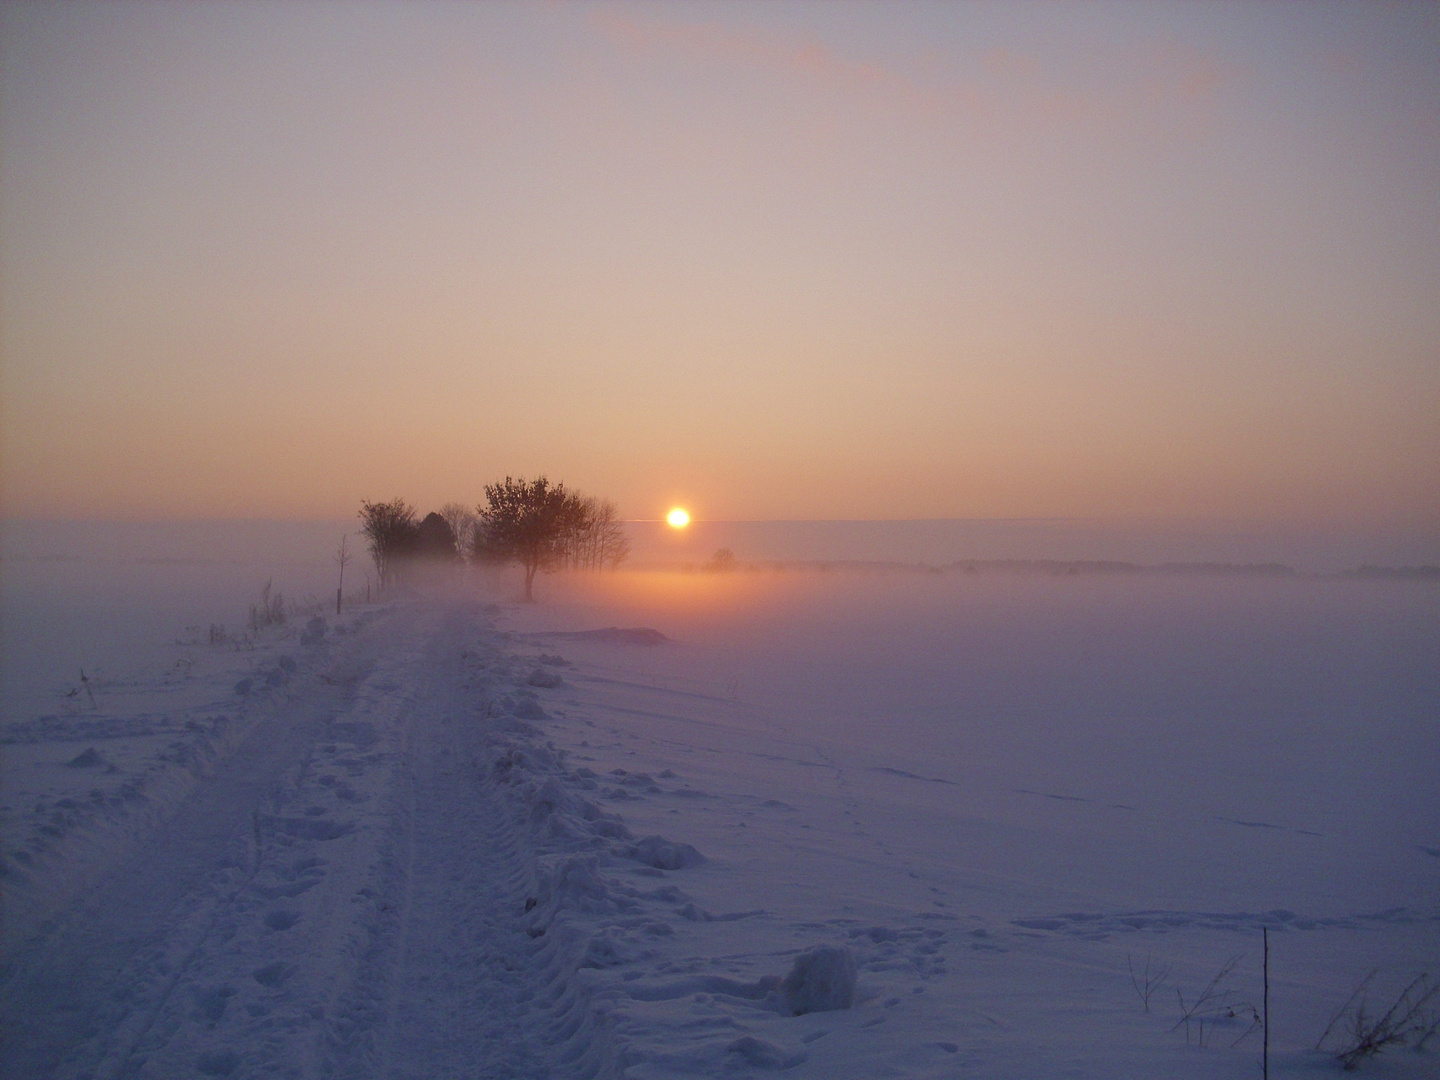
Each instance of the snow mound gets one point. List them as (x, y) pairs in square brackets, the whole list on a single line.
[(314, 632), (529, 709), (576, 884), (822, 980), (662, 854)]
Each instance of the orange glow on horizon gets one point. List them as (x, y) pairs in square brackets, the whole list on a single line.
[(677, 518), (719, 307)]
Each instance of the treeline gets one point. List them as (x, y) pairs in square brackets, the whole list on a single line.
[(540, 525)]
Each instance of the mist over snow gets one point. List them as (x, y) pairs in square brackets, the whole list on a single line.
[(1300, 704), (823, 822), (110, 596), (1044, 398), (1318, 548)]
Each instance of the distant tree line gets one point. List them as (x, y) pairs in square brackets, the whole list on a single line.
[(536, 523)]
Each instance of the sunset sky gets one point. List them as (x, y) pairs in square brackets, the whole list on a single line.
[(762, 260)]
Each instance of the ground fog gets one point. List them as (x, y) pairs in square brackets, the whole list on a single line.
[(1220, 741), (850, 822)]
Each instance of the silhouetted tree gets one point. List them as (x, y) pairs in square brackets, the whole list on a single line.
[(462, 522), (724, 559), (434, 541), (390, 529), (612, 546), (528, 523), (342, 557), (596, 538)]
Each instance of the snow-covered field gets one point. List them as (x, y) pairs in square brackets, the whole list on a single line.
[(835, 825)]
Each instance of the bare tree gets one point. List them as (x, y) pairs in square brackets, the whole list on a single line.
[(578, 533), (462, 522), (390, 529), (527, 522), (574, 544), (596, 538), (609, 543), (342, 557)]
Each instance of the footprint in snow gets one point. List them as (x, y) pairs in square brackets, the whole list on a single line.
[(282, 919), (210, 1001), (272, 975)]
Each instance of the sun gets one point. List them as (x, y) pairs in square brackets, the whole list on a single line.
[(678, 518)]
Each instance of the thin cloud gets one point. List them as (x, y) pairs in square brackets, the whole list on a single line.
[(1164, 87)]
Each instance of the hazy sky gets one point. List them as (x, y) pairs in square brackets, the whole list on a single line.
[(805, 260)]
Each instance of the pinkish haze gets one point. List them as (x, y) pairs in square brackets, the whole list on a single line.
[(765, 261)]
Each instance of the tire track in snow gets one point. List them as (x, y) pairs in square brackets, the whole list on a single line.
[(444, 1013), (394, 876), (456, 975), (462, 985), (82, 994), (114, 984)]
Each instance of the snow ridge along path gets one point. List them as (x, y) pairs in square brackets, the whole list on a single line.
[(375, 881)]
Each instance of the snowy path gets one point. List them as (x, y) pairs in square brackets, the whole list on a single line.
[(343, 895), (103, 972), (416, 845), (462, 971)]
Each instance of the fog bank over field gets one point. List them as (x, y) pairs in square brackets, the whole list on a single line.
[(102, 595), (1108, 691), (1322, 548), (1314, 549), (985, 796)]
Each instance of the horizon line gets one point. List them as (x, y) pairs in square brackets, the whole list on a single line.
[(1119, 519)]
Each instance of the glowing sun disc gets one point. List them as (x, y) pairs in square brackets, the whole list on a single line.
[(677, 518)]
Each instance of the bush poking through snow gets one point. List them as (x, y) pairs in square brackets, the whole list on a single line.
[(1146, 982), (822, 980), (1216, 1006), (270, 611), (1411, 1020)]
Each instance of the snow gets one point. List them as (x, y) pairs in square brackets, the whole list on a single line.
[(668, 825), (822, 980)]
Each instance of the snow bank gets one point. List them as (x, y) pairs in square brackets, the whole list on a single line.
[(822, 980)]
